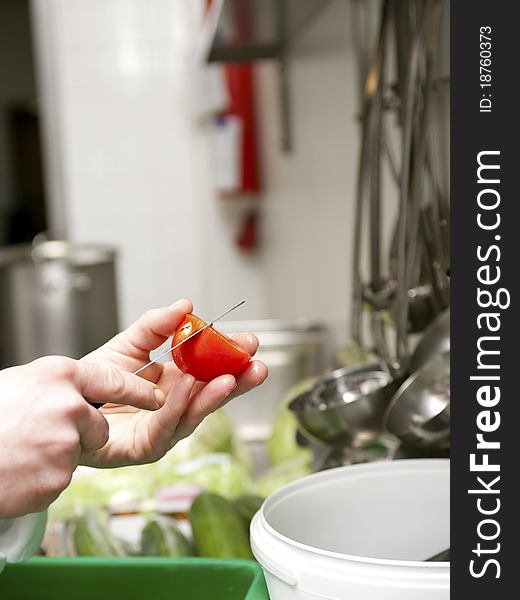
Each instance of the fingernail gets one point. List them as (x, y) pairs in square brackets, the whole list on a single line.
[(159, 397), (227, 398), (179, 303), (233, 385)]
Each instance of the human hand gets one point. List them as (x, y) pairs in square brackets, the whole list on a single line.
[(46, 423), (140, 436)]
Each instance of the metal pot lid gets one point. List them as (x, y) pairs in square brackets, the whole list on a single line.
[(57, 250)]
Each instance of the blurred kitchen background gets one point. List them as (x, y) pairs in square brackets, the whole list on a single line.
[(292, 153)]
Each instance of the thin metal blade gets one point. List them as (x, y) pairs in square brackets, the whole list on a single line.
[(189, 337)]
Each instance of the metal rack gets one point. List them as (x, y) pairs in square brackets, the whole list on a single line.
[(253, 30)]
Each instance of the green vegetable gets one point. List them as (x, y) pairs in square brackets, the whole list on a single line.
[(352, 355), (91, 537), (214, 434), (282, 445), (282, 474), (212, 458), (248, 505), (160, 537), (218, 528), (218, 473), (98, 488)]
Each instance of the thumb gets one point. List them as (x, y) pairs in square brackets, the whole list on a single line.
[(102, 383)]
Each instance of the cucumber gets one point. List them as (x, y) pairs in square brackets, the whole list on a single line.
[(90, 536), (248, 505), (160, 537), (218, 528)]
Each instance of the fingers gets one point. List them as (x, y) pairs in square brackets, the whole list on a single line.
[(247, 341), (218, 392), (152, 329), (253, 376), (92, 429), (164, 422), (101, 383), (77, 426), (207, 400)]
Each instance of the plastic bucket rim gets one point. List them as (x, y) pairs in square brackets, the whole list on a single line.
[(441, 463)]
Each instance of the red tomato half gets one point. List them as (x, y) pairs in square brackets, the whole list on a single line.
[(209, 354)]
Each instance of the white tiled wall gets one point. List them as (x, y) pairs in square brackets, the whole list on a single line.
[(132, 166), (310, 199), (309, 203)]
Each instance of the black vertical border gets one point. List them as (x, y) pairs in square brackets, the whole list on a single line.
[(471, 133)]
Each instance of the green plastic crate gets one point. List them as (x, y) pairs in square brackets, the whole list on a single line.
[(133, 579)]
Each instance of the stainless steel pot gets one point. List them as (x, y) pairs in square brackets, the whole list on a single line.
[(55, 298)]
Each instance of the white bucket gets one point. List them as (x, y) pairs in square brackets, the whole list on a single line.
[(358, 533)]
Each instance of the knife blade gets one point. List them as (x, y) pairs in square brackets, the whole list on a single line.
[(189, 337), (235, 306)]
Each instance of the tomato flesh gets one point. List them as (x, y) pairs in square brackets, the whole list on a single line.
[(209, 354)]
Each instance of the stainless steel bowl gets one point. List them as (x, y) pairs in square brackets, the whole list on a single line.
[(419, 413), (347, 406), (435, 341)]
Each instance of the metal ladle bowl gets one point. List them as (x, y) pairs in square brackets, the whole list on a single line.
[(419, 413), (435, 341), (346, 407)]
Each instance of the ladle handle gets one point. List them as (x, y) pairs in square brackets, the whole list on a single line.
[(443, 556)]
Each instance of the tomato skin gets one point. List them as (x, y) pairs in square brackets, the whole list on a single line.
[(209, 354)]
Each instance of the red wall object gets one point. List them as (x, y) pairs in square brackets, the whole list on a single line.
[(240, 82), (239, 78)]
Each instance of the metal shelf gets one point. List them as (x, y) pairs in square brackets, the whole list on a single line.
[(253, 30)]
